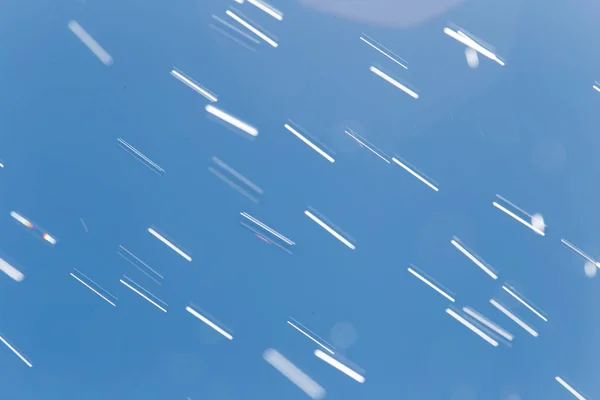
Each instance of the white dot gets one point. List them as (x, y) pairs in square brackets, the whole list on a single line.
[(472, 57), (590, 269), (538, 222)]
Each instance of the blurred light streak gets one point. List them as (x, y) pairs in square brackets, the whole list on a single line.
[(521, 220), (141, 294), (190, 83), (21, 219), (91, 44), (413, 173), (310, 337), (363, 143), (569, 388), (472, 327), (513, 294), (140, 261), (294, 374), (581, 253), (486, 322), (236, 174), (92, 289), (11, 271), (394, 82), (140, 156), (309, 143), (381, 51), (230, 119), (268, 229), (273, 12), (233, 185), (328, 229), (84, 225), (512, 316), (596, 87), (258, 234), (431, 285), (16, 352), (244, 34), (252, 29), (208, 322), (339, 366), (473, 258), (169, 244), (49, 238), (467, 41)]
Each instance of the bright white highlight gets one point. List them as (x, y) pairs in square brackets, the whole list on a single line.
[(189, 82), (309, 143), (11, 271), (252, 29), (278, 15), (294, 374), (93, 290), (21, 219), (208, 322), (230, 119), (16, 352), (394, 82), (381, 51), (328, 229), (90, 43), (171, 245), (521, 220), (339, 366), (413, 173), (467, 41), (524, 303), (514, 318), (310, 337), (431, 285), (506, 335), (473, 258), (472, 327), (569, 388), (143, 295)]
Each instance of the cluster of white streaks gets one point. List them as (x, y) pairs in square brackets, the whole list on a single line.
[(251, 28), (467, 41), (515, 319)]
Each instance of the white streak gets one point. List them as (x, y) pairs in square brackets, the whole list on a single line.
[(413, 173), (274, 232), (524, 303), (143, 263), (21, 219), (521, 220), (237, 175), (431, 285), (581, 253), (93, 290), (488, 323), (230, 119), (472, 327), (309, 143), (328, 229), (233, 185), (367, 146), (394, 82), (294, 374), (339, 366), (383, 52), (90, 43), (11, 271), (141, 294), (208, 322), (514, 318), (467, 41), (474, 259), (252, 29), (596, 87), (310, 337), (16, 352), (84, 225), (49, 238), (569, 388), (244, 34), (278, 15), (189, 82), (171, 245), (139, 154)]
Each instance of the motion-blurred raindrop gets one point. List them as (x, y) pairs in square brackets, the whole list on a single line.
[(590, 269), (472, 57)]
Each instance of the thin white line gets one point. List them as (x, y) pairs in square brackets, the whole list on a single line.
[(139, 268), (431, 285), (91, 44), (413, 173), (145, 265), (569, 388), (365, 145), (141, 288), (339, 366), (524, 303), (514, 318), (171, 245), (294, 374), (472, 327), (473, 258), (262, 236), (310, 337), (139, 154), (267, 8), (233, 185), (93, 290), (241, 177), (467, 41), (309, 143), (244, 34), (521, 220), (141, 294), (515, 206), (328, 229), (383, 52), (576, 250), (208, 322), (232, 120), (274, 232), (596, 87), (252, 29), (84, 225), (394, 82), (94, 282), (488, 323), (16, 352), (189, 82)]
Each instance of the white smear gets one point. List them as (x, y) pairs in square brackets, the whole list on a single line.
[(11, 271), (488, 323), (273, 12), (230, 119), (394, 82), (21, 219), (328, 229), (208, 322), (294, 374), (309, 143), (472, 327), (430, 284), (339, 366), (467, 41), (171, 245), (90, 43), (252, 29)]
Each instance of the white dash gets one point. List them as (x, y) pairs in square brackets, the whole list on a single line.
[(140, 155), (274, 232), (514, 318), (16, 352), (521, 220), (190, 82), (394, 82), (11, 271), (142, 295), (261, 5), (472, 327), (430, 284), (339, 366), (309, 143), (169, 244), (93, 290), (413, 173), (230, 119), (467, 41), (233, 185), (596, 87), (310, 337), (569, 388), (208, 322), (294, 374), (488, 323), (84, 225), (252, 29), (355, 137), (474, 259), (381, 51), (21, 219), (513, 294), (90, 43), (576, 250), (328, 229)]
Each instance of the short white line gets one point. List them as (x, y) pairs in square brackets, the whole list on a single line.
[(467, 41), (367, 146), (514, 318), (394, 82), (16, 352), (171, 245), (84, 225), (569, 388), (230, 119), (521, 220), (488, 323), (328, 229), (11, 271), (90, 43), (267, 8), (339, 366), (239, 176), (93, 290), (146, 291), (141, 294), (310, 337), (309, 143), (21, 219), (474, 259), (139, 154), (413, 173), (576, 250), (145, 265), (189, 82), (252, 29), (524, 303), (274, 232), (244, 34), (208, 322), (596, 87), (48, 238), (262, 236), (431, 285), (472, 327), (233, 185), (1, 165), (294, 374), (382, 52)]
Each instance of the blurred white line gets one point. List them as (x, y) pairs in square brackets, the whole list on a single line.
[(143, 295), (596, 87), (239, 176), (431, 285), (16, 352), (514, 318), (21, 219), (294, 374), (139, 268), (472, 327), (49, 238), (381, 51), (171, 245), (488, 323), (467, 41), (11, 271), (413, 173), (139, 154), (367, 146), (569, 388), (233, 185), (309, 143), (261, 235), (244, 34), (521, 220), (273, 231), (339, 366), (394, 82), (581, 253), (1, 165), (208, 322), (474, 259), (143, 263), (328, 229), (273, 12), (190, 82), (230, 119), (84, 225), (93, 290), (252, 29), (310, 337), (90, 43), (513, 294), (515, 206)]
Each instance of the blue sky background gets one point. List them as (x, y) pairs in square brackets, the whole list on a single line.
[(527, 131)]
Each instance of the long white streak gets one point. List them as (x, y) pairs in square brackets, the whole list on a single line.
[(328, 229), (431, 285), (413, 173), (472, 327), (338, 365), (488, 323), (141, 294), (383, 52), (241, 177), (93, 290), (252, 29), (569, 388), (278, 15), (171, 245), (521, 220), (309, 143), (90, 43), (11, 271), (515, 206), (21, 219), (139, 268), (394, 82), (274, 232), (244, 34), (514, 318), (524, 303), (310, 337), (576, 250), (189, 82), (208, 322), (230, 119), (367, 146), (139, 154), (16, 352), (467, 41), (474, 259), (233, 185), (294, 374), (146, 291), (145, 265)]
